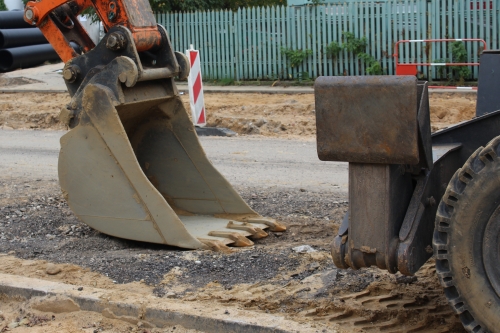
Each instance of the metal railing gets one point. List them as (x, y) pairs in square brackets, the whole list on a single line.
[(411, 68)]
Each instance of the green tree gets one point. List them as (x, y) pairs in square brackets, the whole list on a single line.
[(192, 5), (3, 7)]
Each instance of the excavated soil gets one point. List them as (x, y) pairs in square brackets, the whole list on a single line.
[(37, 228), (31, 110), (448, 109), (274, 115)]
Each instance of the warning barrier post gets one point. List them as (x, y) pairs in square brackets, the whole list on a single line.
[(195, 85)]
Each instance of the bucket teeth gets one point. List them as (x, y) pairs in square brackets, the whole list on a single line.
[(273, 224), (216, 245), (238, 239), (255, 231)]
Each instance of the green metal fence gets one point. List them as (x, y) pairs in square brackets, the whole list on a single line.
[(246, 44)]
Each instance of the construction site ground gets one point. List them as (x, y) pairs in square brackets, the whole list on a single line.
[(40, 236), (289, 116)]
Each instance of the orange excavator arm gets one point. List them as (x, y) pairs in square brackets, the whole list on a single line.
[(57, 19), (131, 32)]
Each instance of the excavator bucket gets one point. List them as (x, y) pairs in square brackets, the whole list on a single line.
[(133, 168)]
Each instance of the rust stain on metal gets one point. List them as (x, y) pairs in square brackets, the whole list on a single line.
[(370, 119)]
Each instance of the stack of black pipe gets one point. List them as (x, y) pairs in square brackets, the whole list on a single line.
[(22, 45)]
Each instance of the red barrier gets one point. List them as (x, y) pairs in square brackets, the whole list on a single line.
[(411, 68)]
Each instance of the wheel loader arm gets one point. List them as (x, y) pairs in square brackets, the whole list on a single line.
[(398, 170), (412, 193)]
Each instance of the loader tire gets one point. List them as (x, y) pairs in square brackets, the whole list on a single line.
[(466, 240)]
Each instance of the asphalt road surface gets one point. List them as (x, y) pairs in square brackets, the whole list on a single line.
[(244, 161)]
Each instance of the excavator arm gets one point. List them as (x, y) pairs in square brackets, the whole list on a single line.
[(57, 19), (131, 31)]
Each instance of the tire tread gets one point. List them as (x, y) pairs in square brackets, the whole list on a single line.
[(479, 161)]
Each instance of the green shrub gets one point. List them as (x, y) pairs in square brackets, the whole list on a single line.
[(3, 7), (296, 57), (357, 47)]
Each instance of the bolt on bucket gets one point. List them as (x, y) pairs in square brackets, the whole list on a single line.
[(133, 167)]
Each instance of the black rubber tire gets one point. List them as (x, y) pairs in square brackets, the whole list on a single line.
[(466, 240)]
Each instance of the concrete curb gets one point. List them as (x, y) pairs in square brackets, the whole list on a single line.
[(160, 313)]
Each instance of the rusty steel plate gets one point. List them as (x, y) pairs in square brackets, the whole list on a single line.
[(367, 119)]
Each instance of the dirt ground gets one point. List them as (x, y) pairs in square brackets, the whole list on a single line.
[(274, 115), (37, 228), (21, 316)]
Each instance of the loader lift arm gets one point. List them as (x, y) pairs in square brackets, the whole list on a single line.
[(398, 170), (132, 166), (413, 194)]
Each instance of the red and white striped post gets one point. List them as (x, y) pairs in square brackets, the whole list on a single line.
[(196, 88)]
